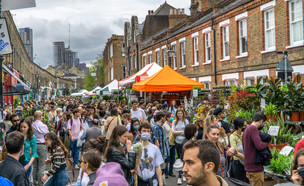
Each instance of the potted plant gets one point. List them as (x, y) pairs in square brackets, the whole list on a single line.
[(271, 111)]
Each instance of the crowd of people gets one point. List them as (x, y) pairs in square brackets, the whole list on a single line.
[(100, 139)]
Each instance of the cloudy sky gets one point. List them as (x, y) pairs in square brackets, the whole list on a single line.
[(92, 23)]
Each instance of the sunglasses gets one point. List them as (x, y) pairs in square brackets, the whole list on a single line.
[(16, 120), (80, 161)]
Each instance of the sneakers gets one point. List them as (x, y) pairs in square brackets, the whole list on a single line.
[(184, 178), (171, 174), (179, 181), (76, 167)]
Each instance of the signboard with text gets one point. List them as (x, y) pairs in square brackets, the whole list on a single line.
[(5, 44)]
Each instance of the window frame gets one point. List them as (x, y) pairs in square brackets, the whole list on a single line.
[(292, 42), (173, 46), (207, 36), (244, 29), (196, 50), (183, 54), (269, 48), (225, 40)]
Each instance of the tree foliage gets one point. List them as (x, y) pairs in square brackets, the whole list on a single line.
[(89, 80)]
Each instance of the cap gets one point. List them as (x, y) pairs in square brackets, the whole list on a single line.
[(110, 174)]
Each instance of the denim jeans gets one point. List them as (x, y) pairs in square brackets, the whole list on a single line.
[(28, 172), (172, 157), (39, 163), (60, 178), (75, 151)]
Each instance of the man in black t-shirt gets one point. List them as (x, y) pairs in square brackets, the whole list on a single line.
[(220, 114)]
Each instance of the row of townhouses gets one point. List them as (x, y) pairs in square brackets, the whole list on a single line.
[(220, 43)]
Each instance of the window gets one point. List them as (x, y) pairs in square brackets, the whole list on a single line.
[(207, 47), (243, 37), (206, 85), (123, 71), (123, 49), (263, 80), (269, 30), (196, 54), (135, 61), (111, 50), (112, 74), (250, 81), (183, 54), (225, 33), (164, 56), (229, 82), (174, 56), (131, 60), (157, 57), (145, 59), (296, 22), (150, 58)]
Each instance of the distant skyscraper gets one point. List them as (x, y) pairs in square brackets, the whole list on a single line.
[(26, 35), (58, 53)]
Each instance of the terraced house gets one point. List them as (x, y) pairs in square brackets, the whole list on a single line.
[(229, 42)]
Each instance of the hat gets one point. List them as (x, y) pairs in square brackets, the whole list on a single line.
[(110, 175), (217, 111)]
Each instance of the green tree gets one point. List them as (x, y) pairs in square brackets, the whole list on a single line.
[(89, 80), (100, 70)]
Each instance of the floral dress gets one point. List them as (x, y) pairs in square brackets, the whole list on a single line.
[(222, 170)]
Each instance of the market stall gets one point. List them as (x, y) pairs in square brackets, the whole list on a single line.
[(168, 80), (144, 73), (109, 88)]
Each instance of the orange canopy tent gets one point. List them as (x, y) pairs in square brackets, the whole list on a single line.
[(166, 79)]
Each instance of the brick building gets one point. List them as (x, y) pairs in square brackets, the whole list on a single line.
[(114, 62), (231, 41), (135, 33)]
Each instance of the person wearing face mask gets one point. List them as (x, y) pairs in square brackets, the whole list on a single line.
[(251, 143), (237, 168), (119, 151), (298, 168), (149, 170)]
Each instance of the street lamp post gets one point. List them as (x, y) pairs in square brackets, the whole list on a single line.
[(284, 67)]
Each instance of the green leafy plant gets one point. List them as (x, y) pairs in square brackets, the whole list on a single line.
[(271, 110), (280, 164)]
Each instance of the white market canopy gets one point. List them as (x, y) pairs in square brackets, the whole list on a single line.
[(81, 93), (96, 89), (144, 73), (109, 88)]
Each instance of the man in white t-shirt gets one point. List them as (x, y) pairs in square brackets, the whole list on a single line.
[(137, 112), (151, 159)]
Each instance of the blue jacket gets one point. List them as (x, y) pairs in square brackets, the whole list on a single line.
[(265, 155)]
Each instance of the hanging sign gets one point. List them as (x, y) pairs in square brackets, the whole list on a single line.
[(195, 93), (5, 44), (286, 150)]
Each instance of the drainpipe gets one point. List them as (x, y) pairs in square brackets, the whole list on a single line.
[(129, 67), (214, 50)]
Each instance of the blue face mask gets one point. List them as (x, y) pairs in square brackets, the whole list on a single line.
[(171, 119), (145, 136), (136, 127)]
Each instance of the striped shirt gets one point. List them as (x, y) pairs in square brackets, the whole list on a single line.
[(57, 159)]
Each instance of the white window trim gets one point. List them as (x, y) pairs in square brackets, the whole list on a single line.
[(149, 52), (195, 51), (194, 34), (241, 16), (174, 60), (182, 39), (206, 30), (297, 43), (242, 54), (205, 79), (256, 73), (183, 67), (268, 5), (196, 65), (207, 61), (226, 57), (173, 43), (181, 48), (145, 54), (163, 47), (156, 50), (273, 48), (225, 23)]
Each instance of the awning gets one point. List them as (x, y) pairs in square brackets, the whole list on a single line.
[(25, 87)]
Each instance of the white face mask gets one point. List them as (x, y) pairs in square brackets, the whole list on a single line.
[(196, 133)]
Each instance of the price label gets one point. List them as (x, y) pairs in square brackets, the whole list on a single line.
[(195, 93), (274, 130), (286, 150), (262, 104)]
